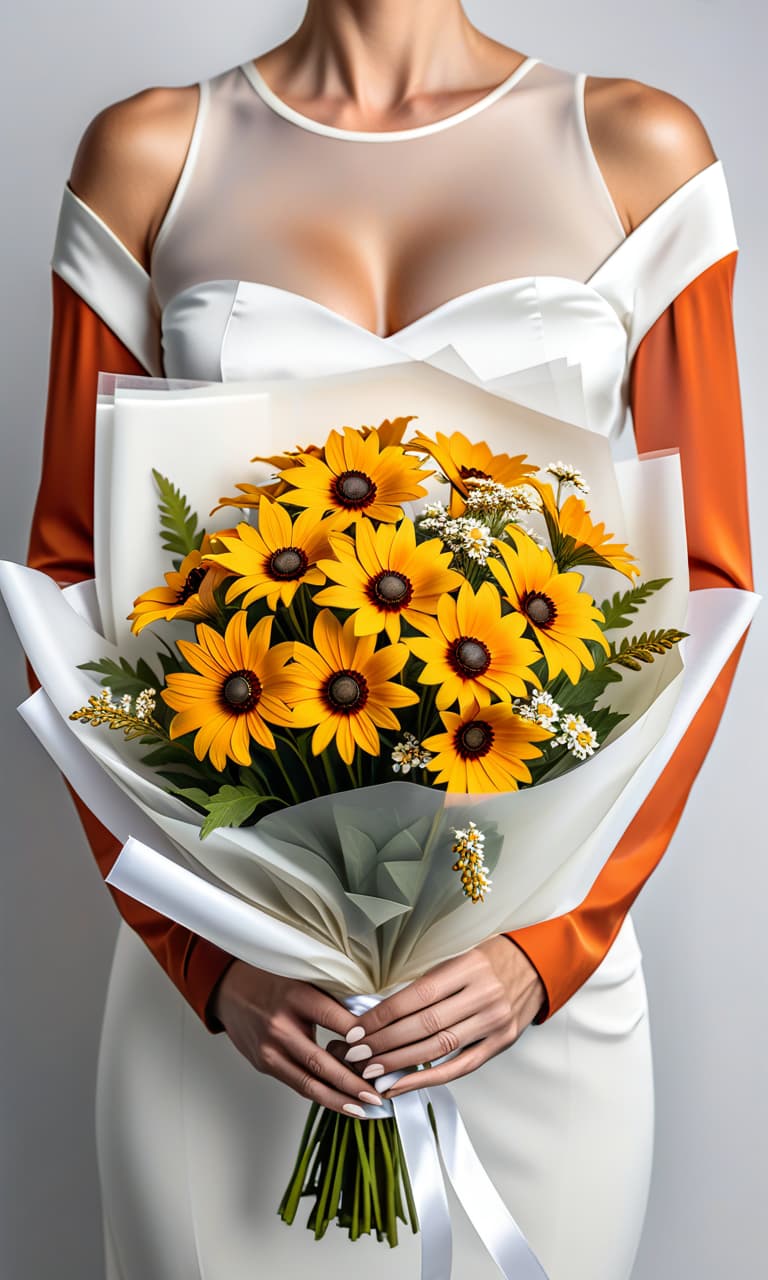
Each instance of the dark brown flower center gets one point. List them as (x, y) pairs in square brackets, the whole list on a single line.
[(346, 692), (354, 490), (241, 692), (472, 473), (191, 584), (469, 657), (539, 608), (473, 739), (390, 590), (287, 564)]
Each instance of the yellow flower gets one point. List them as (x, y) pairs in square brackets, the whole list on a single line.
[(458, 460), (560, 614), (272, 561), (484, 748), (345, 688), (473, 651), (357, 478), (238, 684), (383, 574), (188, 593), (576, 526), (390, 432)]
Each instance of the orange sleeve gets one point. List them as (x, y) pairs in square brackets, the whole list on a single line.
[(684, 394), (61, 544)]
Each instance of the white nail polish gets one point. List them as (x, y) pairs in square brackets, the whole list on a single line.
[(352, 1109), (355, 1034), (358, 1053), (372, 1099), (371, 1072)]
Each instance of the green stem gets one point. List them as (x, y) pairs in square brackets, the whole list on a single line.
[(286, 778), (290, 1201), (292, 746), (389, 1182), (321, 1221)]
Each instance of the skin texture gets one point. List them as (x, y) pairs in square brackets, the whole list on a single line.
[(379, 65)]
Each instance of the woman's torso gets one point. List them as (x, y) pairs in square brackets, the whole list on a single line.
[(292, 247)]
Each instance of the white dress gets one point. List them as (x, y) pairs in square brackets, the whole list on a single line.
[(194, 1145)]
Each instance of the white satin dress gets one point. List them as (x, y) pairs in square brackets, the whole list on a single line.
[(532, 264)]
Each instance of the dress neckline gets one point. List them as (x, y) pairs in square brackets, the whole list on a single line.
[(268, 95)]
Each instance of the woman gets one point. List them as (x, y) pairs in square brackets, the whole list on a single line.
[(386, 181)]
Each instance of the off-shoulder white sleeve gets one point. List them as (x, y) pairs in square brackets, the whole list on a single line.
[(687, 233), (102, 271)]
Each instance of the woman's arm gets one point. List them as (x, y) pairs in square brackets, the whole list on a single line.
[(61, 544), (684, 394)]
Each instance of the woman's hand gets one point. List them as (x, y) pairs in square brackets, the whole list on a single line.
[(271, 1021), (478, 1003)]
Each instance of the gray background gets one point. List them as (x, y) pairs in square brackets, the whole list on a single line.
[(700, 918)]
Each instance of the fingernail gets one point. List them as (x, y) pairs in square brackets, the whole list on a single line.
[(352, 1109), (355, 1034), (372, 1099), (358, 1053), (375, 1069)]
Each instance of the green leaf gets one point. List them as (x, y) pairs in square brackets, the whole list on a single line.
[(620, 608), (122, 677), (632, 653), (229, 807), (177, 519)]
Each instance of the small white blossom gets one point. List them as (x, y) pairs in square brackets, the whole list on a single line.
[(577, 736), (468, 845), (145, 704), (470, 536), (527, 498), (461, 534), (567, 474), (409, 754), (541, 709)]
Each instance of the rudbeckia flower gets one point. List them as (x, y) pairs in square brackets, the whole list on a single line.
[(345, 688), (459, 460), (473, 651), (357, 478), (272, 561), (187, 594), (484, 748), (382, 574), (238, 684), (561, 615), (580, 541)]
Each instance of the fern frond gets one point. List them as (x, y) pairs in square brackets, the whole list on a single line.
[(632, 653), (619, 609), (177, 519)]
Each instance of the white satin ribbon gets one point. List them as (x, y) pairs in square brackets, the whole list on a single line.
[(483, 1205)]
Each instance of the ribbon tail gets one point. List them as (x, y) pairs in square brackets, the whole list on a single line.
[(481, 1201), (423, 1162)]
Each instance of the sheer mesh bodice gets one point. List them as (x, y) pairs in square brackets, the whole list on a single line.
[(382, 228)]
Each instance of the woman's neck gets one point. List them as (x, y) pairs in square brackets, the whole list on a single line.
[(374, 56)]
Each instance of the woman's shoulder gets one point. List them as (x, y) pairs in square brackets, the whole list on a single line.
[(647, 142), (129, 158)]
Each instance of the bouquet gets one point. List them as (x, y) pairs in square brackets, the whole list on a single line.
[(380, 717)]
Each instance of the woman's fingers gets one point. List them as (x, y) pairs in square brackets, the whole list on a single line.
[(315, 1074), (427, 1024), (316, 1090), (441, 982), (313, 1005), (468, 1060), (316, 1061), (449, 1041)]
